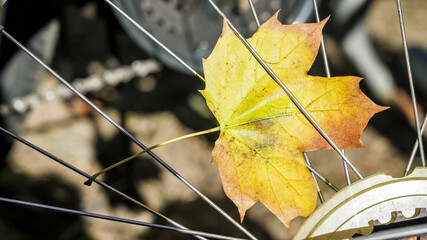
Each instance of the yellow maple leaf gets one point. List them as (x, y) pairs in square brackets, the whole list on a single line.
[(262, 133)]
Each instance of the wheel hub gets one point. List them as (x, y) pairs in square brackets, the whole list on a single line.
[(378, 198)]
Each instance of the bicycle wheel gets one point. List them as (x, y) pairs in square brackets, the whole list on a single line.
[(147, 189)]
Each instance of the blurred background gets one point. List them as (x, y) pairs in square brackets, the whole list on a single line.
[(153, 97)]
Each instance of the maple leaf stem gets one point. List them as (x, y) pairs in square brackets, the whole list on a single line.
[(200, 77), (93, 177)]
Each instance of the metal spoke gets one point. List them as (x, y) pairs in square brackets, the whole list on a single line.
[(319, 192), (414, 150), (124, 131), (115, 219), (411, 82), (251, 4), (322, 43), (86, 175), (155, 40), (305, 155), (346, 172), (328, 74), (321, 177), (300, 107)]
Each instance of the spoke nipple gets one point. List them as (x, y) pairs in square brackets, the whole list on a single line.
[(1, 28)]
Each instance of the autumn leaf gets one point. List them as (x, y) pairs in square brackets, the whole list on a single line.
[(262, 133)]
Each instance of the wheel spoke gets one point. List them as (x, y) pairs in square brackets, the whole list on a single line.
[(134, 139), (86, 175), (115, 219), (251, 4), (308, 163), (328, 74), (411, 82), (300, 107), (155, 40), (320, 176), (414, 149)]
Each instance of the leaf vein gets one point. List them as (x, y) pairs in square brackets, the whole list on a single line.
[(267, 159)]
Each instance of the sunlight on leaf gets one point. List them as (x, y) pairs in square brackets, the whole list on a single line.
[(262, 133)]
